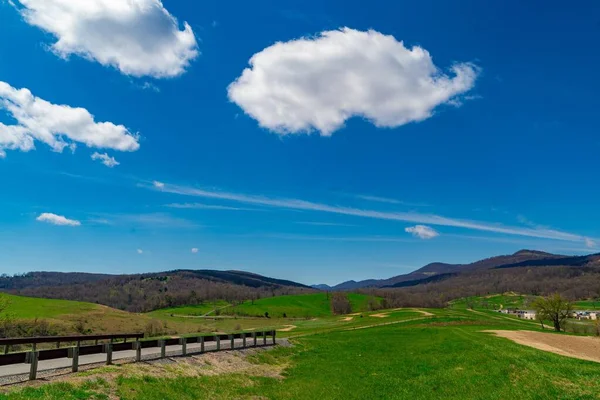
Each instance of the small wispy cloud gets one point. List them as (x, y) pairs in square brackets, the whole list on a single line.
[(590, 243), (99, 221), (147, 220), (140, 251), (195, 250), (158, 185), (410, 217), (55, 219), (422, 232), (105, 159)]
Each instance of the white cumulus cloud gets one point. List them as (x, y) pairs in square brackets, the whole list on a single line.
[(105, 159), (195, 250), (140, 251), (318, 83), (57, 220), (138, 37), (422, 232), (58, 126)]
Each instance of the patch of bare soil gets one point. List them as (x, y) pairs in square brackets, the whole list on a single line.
[(582, 347), (346, 319), (288, 328), (380, 315)]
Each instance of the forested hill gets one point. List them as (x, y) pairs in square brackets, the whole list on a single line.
[(146, 292), (438, 271)]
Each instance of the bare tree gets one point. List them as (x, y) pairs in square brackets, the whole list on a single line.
[(340, 304), (554, 308)]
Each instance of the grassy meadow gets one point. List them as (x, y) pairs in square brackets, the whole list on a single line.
[(303, 313), (297, 306), (407, 354)]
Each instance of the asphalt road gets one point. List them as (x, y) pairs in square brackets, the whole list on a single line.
[(147, 354)]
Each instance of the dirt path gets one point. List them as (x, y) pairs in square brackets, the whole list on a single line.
[(288, 328), (386, 323), (425, 313), (380, 315), (347, 319), (582, 347)]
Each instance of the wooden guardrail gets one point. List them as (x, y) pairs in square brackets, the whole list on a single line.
[(65, 339), (32, 357)]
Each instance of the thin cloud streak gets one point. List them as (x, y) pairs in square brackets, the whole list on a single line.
[(387, 200), (321, 223), (201, 206), (410, 217), (380, 239)]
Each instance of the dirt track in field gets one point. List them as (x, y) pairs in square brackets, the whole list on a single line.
[(582, 347), (288, 328)]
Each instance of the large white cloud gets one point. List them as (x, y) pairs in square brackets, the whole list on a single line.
[(422, 231), (138, 37), (318, 83), (57, 220), (58, 126)]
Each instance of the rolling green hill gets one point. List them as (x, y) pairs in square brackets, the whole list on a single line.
[(297, 306), (195, 310), (31, 307)]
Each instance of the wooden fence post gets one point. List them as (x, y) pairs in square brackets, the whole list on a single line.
[(231, 338), (6, 347), (274, 333), (244, 339), (33, 357), (218, 342), (138, 350), (108, 353), (201, 344), (254, 337), (264, 338), (75, 353), (163, 348), (183, 342)]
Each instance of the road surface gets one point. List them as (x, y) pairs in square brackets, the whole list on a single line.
[(150, 353)]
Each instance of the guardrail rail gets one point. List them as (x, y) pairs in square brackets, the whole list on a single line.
[(32, 357)]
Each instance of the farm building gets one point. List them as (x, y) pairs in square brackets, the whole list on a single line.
[(526, 314)]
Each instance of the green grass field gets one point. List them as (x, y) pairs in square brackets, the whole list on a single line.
[(412, 356), (296, 306), (305, 313), (587, 305), (195, 310), (30, 307), (493, 302)]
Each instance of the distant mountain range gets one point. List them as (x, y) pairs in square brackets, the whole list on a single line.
[(438, 271)]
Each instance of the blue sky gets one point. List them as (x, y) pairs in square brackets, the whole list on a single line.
[(366, 143)]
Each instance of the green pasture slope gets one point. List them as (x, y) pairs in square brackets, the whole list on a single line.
[(31, 307), (493, 302), (587, 305), (446, 356), (296, 306), (195, 310)]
